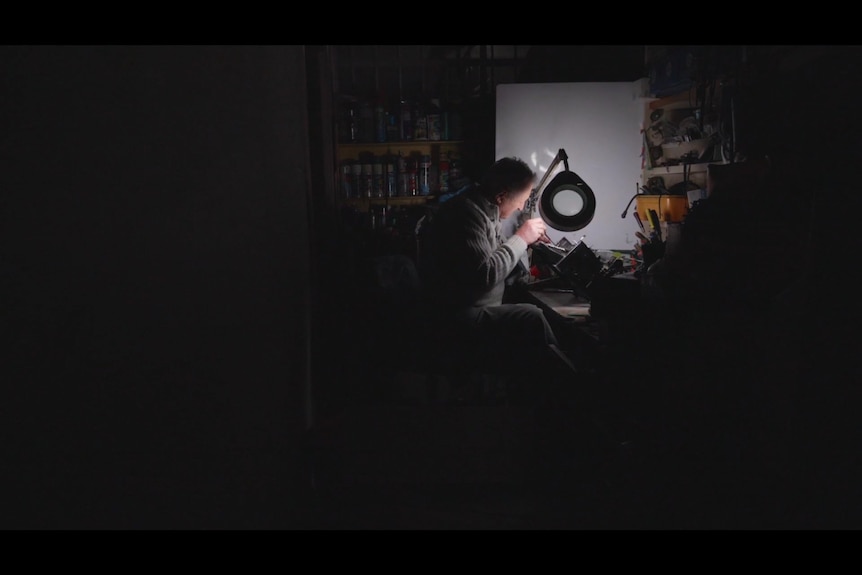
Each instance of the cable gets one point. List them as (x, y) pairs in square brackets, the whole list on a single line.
[(626, 211)]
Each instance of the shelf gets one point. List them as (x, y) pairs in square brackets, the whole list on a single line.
[(680, 100), (396, 201), (677, 169), (413, 146)]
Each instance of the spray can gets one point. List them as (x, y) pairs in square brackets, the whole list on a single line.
[(377, 178), (424, 174)]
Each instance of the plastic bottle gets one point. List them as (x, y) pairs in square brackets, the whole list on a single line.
[(434, 120), (424, 174), (420, 124), (379, 120)]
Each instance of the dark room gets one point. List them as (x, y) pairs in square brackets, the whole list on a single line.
[(429, 287)]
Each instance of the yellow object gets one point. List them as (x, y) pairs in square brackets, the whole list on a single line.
[(669, 208)]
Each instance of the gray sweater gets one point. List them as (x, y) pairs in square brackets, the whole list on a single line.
[(463, 260)]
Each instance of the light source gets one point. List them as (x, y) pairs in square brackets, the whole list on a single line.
[(567, 203)]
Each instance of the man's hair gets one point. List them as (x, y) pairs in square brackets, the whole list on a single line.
[(507, 176)]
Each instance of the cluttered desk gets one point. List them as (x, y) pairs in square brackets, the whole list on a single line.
[(574, 286), (579, 291)]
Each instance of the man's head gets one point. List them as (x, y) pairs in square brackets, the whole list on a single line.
[(507, 184)]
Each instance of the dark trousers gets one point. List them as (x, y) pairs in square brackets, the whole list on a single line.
[(514, 340), (512, 335)]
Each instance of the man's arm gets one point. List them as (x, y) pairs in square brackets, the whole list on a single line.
[(488, 262)]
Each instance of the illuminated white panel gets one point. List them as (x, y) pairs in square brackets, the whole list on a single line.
[(598, 125)]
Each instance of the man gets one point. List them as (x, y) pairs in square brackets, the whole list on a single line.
[(465, 265)]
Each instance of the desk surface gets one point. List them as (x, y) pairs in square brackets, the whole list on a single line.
[(565, 304)]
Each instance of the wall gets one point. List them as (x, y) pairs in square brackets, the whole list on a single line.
[(154, 270), (598, 125)]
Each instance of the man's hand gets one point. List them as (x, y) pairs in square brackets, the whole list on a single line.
[(533, 230)]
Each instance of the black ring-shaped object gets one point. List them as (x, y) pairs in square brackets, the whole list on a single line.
[(563, 182)]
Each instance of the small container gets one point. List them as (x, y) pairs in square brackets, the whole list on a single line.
[(401, 168), (379, 123), (434, 121), (690, 149), (366, 179), (348, 185), (454, 171), (356, 180), (695, 196), (406, 121), (366, 122), (377, 178), (350, 121), (412, 179), (420, 124), (393, 132), (424, 175), (443, 185), (390, 187)]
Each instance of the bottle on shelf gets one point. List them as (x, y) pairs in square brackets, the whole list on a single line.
[(403, 179), (393, 119), (443, 169), (420, 123), (349, 121), (433, 178), (377, 179), (366, 122), (391, 183), (406, 121), (424, 174), (348, 184), (366, 181), (412, 176), (434, 120), (380, 132), (454, 171)]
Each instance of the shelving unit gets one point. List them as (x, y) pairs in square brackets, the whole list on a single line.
[(675, 173), (352, 150), (436, 150), (669, 116), (371, 82)]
